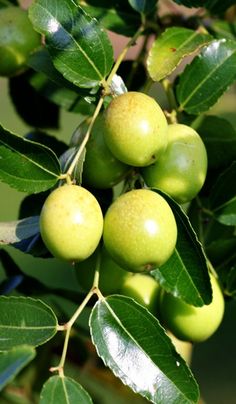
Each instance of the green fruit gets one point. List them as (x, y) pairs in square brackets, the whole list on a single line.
[(190, 323), (101, 169), (71, 223), (181, 169), (140, 230), (111, 275), (135, 129), (144, 289), (17, 40)]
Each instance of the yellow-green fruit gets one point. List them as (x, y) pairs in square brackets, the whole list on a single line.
[(140, 230), (135, 129), (71, 223), (17, 40), (181, 169), (101, 168), (111, 275), (190, 323), (144, 289)]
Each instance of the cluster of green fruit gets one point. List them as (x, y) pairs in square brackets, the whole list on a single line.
[(139, 229)]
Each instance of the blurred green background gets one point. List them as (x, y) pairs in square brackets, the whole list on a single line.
[(214, 362)]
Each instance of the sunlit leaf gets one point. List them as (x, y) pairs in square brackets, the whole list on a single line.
[(79, 47), (171, 47), (135, 347)]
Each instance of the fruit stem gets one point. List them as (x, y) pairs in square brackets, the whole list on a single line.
[(121, 56), (97, 270), (85, 140), (67, 327), (167, 85)]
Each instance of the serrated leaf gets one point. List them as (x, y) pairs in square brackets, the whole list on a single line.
[(185, 274), (223, 191), (79, 48), (143, 6), (15, 231), (133, 344), (171, 47), (26, 165), (24, 320), (63, 390), (219, 137), (13, 361), (207, 77)]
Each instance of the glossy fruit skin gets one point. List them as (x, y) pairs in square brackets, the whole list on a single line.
[(143, 289), (135, 129), (140, 230), (101, 168), (190, 323), (181, 169), (111, 275), (71, 223), (17, 40)]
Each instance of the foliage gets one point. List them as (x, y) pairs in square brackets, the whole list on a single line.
[(193, 61)]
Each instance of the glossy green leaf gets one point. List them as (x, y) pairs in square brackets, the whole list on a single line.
[(63, 390), (185, 274), (134, 346), (24, 320), (13, 361), (115, 15), (26, 165), (143, 6), (170, 48), (207, 77), (219, 137), (15, 231), (80, 49), (227, 213), (223, 29), (223, 192)]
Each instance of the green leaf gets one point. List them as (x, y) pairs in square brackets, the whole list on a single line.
[(15, 231), (26, 165), (223, 197), (143, 6), (185, 274), (207, 77), (134, 346), (219, 137), (79, 48), (170, 48), (13, 361), (63, 390), (24, 320)]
